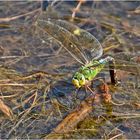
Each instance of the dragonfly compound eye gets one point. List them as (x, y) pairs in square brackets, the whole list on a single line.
[(78, 80)]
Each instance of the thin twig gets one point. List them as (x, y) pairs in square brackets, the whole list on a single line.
[(19, 16)]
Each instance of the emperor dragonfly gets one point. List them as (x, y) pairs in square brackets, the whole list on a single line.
[(74, 39)]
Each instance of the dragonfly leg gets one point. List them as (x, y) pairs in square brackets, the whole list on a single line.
[(87, 87), (102, 94)]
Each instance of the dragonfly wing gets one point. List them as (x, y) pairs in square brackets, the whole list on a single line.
[(86, 42), (66, 38)]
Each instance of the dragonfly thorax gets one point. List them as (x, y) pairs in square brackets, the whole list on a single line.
[(86, 74)]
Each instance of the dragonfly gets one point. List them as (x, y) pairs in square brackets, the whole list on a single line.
[(82, 46)]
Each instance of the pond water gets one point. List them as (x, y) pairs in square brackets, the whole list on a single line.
[(36, 71)]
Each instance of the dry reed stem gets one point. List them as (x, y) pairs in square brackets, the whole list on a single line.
[(24, 115), (19, 16)]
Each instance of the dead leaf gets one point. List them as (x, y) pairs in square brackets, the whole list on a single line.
[(6, 110)]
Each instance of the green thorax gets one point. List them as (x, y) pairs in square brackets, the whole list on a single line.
[(91, 70), (88, 72)]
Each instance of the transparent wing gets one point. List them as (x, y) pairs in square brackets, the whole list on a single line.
[(80, 44), (88, 44)]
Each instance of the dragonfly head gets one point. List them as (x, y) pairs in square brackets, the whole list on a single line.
[(78, 80)]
